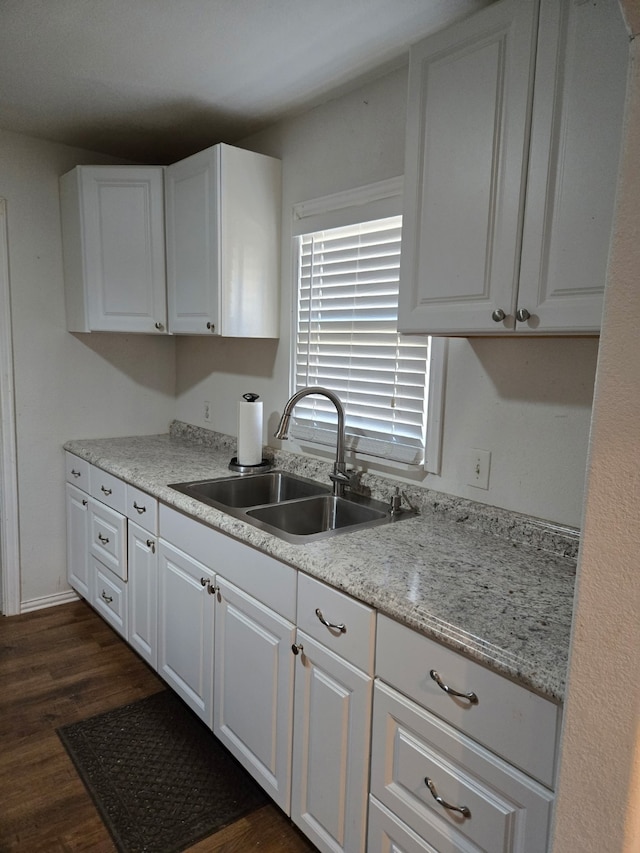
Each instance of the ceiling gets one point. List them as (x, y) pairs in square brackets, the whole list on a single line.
[(156, 80)]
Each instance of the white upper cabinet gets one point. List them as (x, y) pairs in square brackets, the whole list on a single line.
[(576, 137), (113, 244), (513, 140), (223, 209)]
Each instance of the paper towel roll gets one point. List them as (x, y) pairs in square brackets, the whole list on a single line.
[(250, 433)]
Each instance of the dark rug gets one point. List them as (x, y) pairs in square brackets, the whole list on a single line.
[(159, 777)]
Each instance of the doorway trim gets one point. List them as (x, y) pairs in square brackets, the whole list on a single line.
[(9, 534)]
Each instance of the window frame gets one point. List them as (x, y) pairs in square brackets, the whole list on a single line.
[(363, 204)]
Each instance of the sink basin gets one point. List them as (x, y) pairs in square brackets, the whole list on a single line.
[(252, 489), (293, 508), (317, 515)]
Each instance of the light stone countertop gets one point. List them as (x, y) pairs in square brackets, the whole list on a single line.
[(494, 585)]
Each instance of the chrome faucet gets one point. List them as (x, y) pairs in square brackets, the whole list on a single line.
[(339, 477)]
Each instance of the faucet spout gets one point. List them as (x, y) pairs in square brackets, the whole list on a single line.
[(339, 477)]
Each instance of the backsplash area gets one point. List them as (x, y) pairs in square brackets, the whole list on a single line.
[(513, 526)]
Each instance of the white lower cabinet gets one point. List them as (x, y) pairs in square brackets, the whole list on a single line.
[(253, 687), (332, 716), (453, 792), (78, 573), (462, 760), (143, 593), (185, 628)]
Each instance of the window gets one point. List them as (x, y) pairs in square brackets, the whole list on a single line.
[(346, 339)]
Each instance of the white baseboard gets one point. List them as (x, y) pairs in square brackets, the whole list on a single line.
[(48, 601)]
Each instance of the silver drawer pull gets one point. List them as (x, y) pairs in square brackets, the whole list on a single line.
[(470, 697), (151, 545), (464, 811), (103, 539), (140, 509), (342, 627), (75, 473), (107, 598), (105, 490)]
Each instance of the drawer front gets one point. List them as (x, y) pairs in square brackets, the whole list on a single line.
[(110, 597), (517, 724), (142, 508), (416, 757), (388, 834), (77, 471), (108, 537), (108, 489), (353, 633)]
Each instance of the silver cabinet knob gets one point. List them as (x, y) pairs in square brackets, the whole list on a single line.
[(211, 327), (160, 326), (522, 315), (498, 315)]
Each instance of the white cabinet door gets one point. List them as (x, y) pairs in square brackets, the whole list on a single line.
[(185, 628), (143, 593), (78, 573), (576, 132), (511, 175), (223, 243), (113, 241), (467, 133), (332, 721), (253, 688)]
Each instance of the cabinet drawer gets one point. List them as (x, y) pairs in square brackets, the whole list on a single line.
[(110, 596), (76, 471), (388, 834), (108, 537), (108, 489), (318, 602), (142, 508), (517, 724), (485, 800)]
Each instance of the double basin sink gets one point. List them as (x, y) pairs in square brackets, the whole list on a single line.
[(293, 508)]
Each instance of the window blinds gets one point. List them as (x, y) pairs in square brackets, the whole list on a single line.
[(347, 340)]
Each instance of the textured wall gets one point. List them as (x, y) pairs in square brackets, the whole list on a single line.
[(599, 793)]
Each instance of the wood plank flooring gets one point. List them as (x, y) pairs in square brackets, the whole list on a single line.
[(58, 666)]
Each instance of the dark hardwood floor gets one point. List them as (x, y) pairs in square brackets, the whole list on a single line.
[(58, 666)]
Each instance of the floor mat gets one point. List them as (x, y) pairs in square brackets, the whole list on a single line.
[(159, 778)]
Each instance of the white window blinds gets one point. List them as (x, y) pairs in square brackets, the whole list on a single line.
[(347, 340)]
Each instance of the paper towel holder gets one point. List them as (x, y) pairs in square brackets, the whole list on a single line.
[(264, 465), (234, 465)]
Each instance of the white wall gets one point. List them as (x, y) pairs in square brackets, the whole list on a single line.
[(66, 386), (527, 401), (599, 791)]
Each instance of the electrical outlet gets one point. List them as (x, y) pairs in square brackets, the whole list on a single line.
[(479, 464), (207, 411)]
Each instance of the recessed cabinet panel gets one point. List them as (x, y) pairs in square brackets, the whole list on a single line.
[(78, 573), (143, 593), (253, 688), (469, 99), (192, 244), (576, 136), (113, 241), (330, 748), (223, 210), (185, 629)]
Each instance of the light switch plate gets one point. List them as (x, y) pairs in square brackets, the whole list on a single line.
[(478, 470)]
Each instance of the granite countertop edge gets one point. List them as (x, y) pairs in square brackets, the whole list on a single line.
[(500, 595)]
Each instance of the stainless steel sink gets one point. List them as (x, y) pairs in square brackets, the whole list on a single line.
[(252, 489), (318, 515), (293, 508)]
